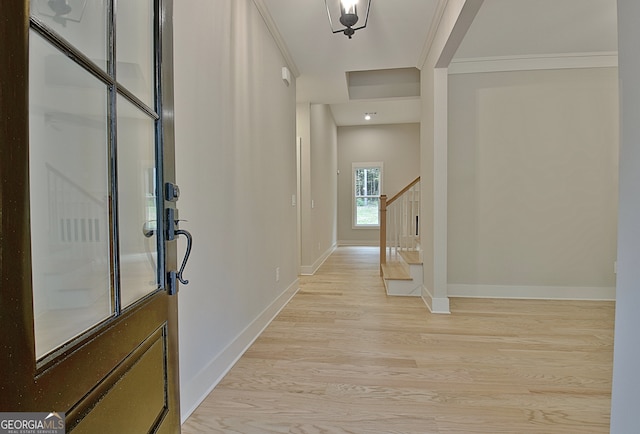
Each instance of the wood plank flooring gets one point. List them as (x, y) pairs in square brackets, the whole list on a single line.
[(342, 357)]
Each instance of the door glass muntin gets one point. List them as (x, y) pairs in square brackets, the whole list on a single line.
[(81, 22)]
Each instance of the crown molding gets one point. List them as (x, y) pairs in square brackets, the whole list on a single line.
[(433, 29), (277, 36), (606, 59)]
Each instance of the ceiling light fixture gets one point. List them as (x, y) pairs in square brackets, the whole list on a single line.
[(348, 15), (368, 116)]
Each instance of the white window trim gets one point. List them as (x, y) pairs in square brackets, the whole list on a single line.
[(355, 166)]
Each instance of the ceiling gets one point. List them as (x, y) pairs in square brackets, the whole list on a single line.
[(398, 32)]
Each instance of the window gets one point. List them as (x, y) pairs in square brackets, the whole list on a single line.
[(367, 186)]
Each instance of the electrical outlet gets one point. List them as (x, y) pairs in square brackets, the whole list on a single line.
[(277, 274)]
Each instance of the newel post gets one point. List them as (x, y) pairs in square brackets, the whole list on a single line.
[(383, 231)]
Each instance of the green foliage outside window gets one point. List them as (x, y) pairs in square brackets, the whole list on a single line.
[(367, 193)]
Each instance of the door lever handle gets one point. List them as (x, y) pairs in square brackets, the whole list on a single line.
[(172, 232), (186, 254)]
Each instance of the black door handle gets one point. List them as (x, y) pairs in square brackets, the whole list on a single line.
[(186, 254), (172, 232)]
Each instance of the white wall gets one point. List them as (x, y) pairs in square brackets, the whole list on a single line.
[(397, 146), (625, 417), (319, 197), (236, 167), (532, 185)]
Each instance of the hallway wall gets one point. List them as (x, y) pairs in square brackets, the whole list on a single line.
[(397, 146), (319, 189), (532, 198), (625, 417), (236, 167)]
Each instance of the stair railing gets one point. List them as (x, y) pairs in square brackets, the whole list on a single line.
[(399, 222), (76, 218)]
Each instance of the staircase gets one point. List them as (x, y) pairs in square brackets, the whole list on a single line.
[(400, 253), (403, 276), (75, 262)]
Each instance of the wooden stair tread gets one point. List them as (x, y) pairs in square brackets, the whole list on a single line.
[(395, 271), (411, 257)]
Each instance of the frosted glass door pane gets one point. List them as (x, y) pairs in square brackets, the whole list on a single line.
[(69, 197), (81, 22), (134, 48), (136, 203)]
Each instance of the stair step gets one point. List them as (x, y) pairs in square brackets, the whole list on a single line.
[(395, 271), (411, 257), (401, 277)]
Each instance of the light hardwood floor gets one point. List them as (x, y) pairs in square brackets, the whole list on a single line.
[(342, 357)]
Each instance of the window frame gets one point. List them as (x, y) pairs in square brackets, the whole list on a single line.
[(354, 198)]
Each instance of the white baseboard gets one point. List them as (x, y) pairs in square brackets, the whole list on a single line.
[(435, 304), (196, 390), (532, 292), (309, 270)]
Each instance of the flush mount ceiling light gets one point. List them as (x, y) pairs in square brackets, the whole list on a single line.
[(346, 12)]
